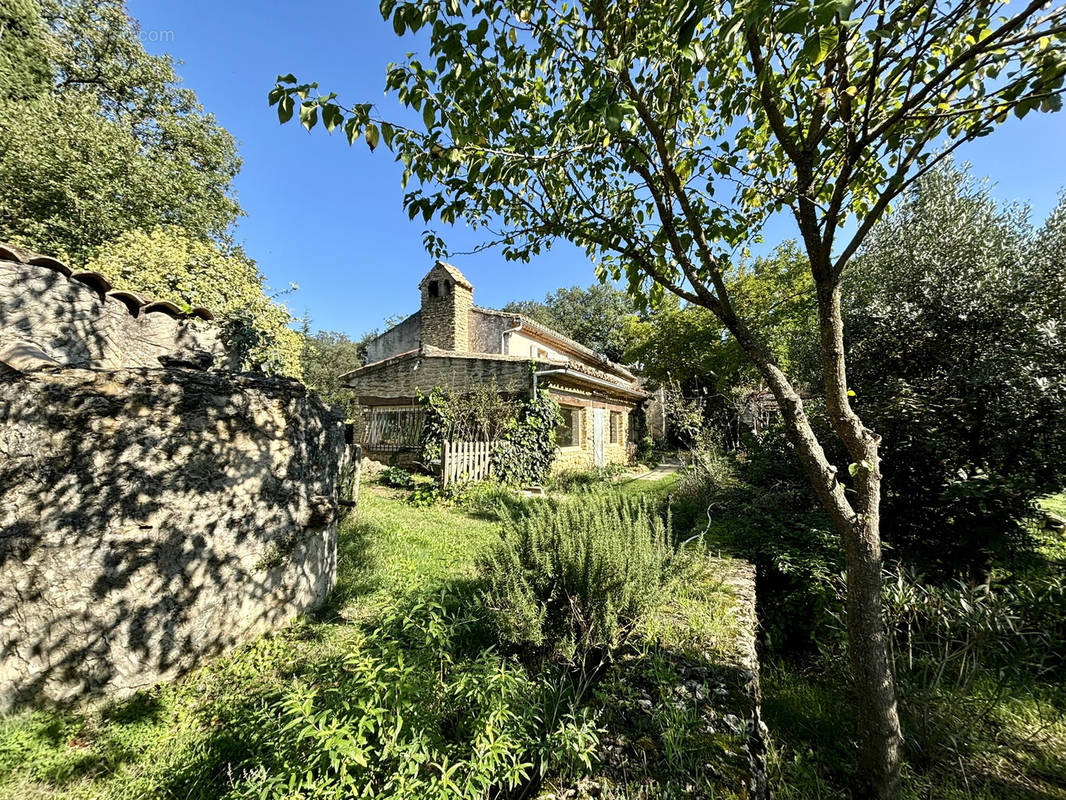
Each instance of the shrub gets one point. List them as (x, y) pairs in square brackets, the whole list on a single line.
[(958, 361), (569, 580), (404, 714), (396, 477), (573, 480), (523, 430), (525, 454)]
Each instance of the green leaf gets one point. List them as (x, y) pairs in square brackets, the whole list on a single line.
[(331, 117), (351, 129), (285, 107), (308, 115), (372, 136), (794, 20), (818, 45)]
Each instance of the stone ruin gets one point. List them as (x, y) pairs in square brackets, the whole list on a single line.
[(153, 512)]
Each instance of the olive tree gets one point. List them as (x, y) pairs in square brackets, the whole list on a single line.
[(956, 354), (662, 136)]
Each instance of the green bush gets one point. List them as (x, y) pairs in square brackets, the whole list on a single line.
[(957, 359), (569, 580), (396, 477), (523, 430), (407, 713), (525, 454), (575, 480)]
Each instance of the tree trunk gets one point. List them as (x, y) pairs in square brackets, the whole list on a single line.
[(875, 691), (858, 525), (875, 694)]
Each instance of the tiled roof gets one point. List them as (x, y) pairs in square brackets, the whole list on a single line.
[(94, 280)]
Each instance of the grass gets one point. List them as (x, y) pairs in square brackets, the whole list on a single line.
[(168, 742), (1056, 504), (1017, 749), (1018, 752), (202, 736)]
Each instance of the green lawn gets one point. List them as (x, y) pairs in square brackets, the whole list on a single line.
[(220, 730), (174, 740), (1056, 504)]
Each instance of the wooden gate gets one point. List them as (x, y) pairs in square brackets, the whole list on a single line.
[(465, 461)]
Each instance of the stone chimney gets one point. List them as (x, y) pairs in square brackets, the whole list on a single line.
[(447, 298)]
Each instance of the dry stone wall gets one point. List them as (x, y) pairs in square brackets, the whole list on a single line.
[(52, 317), (152, 517)]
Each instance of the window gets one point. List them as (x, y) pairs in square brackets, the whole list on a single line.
[(434, 289), (616, 427), (568, 432), (538, 352), (394, 429)]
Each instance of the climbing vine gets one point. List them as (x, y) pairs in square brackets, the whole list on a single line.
[(523, 429), (525, 454)]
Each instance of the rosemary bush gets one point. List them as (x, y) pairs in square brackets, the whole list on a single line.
[(568, 580)]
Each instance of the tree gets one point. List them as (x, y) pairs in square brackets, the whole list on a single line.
[(169, 264), (598, 317), (957, 359), (326, 356), (112, 144), (686, 345), (24, 68), (662, 137)]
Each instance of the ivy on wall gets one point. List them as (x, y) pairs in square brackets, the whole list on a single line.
[(523, 429)]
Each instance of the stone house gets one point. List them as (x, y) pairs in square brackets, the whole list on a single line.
[(451, 343)]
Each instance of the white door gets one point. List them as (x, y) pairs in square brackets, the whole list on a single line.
[(599, 436)]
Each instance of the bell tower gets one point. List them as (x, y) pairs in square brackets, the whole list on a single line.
[(447, 298)]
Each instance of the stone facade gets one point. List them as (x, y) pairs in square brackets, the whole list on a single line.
[(399, 380), (152, 517), (52, 317), (583, 456)]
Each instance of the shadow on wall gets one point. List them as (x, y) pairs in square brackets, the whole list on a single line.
[(50, 316), (153, 517)]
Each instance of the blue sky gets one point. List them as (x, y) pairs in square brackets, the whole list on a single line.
[(329, 218)]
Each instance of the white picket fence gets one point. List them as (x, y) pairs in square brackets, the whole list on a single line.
[(466, 461)]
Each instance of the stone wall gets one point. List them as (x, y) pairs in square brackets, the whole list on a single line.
[(402, 338), (51, 317), (404, 377), (152, 517)]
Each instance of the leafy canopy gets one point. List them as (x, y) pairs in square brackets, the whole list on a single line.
[(599, 317), (23, 55), (325, 357), (103, 140), (662, 137), (958, 357)]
